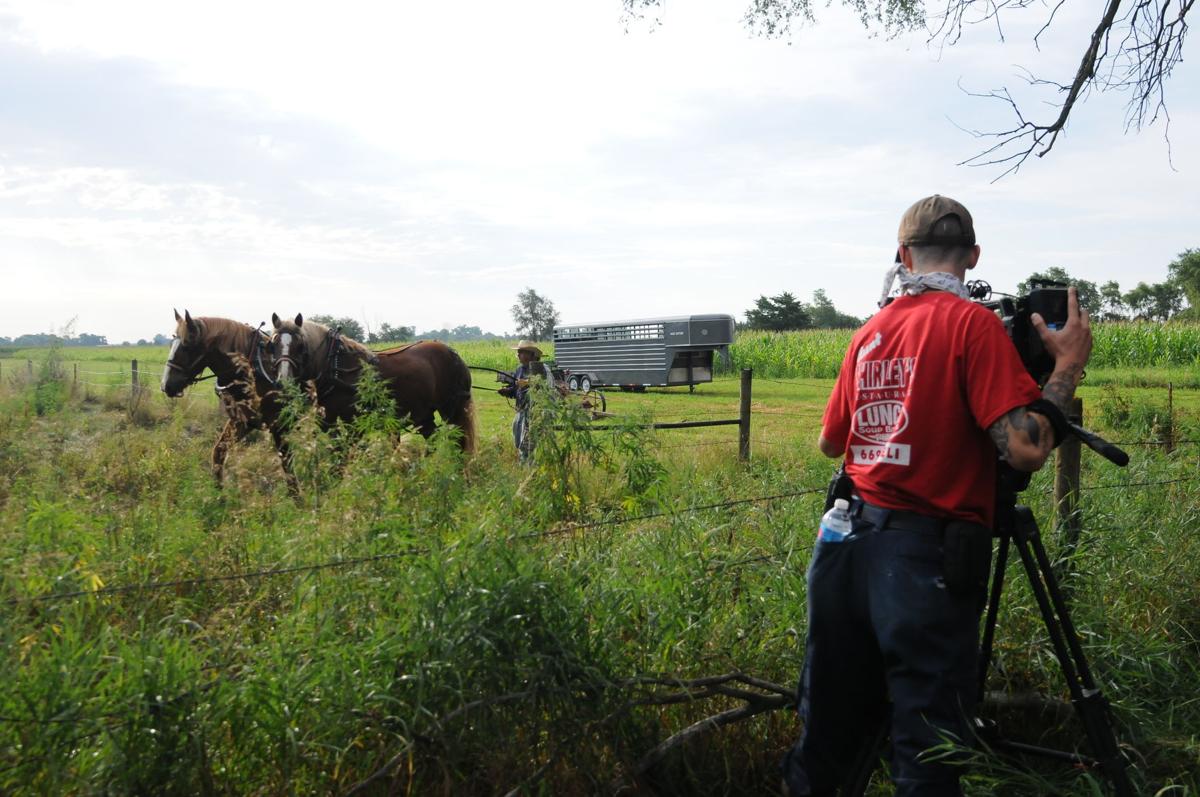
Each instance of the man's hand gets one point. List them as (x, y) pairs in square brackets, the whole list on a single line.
[(1070, 347), (1025, 438)]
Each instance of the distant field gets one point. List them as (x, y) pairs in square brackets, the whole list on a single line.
[(1160, 353)]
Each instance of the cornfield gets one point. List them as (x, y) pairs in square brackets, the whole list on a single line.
[(813, 353), (818, 353), (1146, 344)]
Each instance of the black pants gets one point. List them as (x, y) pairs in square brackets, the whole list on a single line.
[(882, 624)]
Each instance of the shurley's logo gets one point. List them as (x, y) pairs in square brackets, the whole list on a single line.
[(880, 420)]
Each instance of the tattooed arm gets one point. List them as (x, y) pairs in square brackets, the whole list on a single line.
[(1024, 438)]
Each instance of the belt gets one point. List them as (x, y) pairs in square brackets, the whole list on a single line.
[(883, 518)]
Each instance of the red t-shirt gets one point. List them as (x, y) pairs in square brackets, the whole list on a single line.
[(921, 383)]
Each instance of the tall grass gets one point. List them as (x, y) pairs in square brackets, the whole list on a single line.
[(464, 638)]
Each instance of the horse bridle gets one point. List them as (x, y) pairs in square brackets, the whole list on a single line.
[(285, 356), (190, 370)]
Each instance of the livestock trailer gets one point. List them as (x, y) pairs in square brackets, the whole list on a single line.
[(648, 352)]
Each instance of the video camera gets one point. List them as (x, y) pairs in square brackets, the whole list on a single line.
[(1048, 299)]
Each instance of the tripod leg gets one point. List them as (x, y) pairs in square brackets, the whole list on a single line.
[(993, 611), (1089, 702)]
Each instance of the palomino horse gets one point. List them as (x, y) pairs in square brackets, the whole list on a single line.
[(246, 385), (422, 377)]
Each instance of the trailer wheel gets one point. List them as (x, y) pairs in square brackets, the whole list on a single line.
[(573, 383), (585, 383)]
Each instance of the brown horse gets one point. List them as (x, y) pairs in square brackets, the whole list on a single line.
[(246, 385), (422, 377)]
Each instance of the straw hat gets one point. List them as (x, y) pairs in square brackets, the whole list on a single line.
[(528, 345)]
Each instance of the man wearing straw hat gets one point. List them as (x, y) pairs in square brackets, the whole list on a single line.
[(531, 365)]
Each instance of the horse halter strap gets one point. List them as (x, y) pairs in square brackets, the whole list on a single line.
[(189, 367)]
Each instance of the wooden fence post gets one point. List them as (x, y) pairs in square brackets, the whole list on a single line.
[(133, 372), (1169, 437), (74, 375), (744, 417), (1066, 488)]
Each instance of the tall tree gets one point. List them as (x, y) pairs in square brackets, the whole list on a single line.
[(350, 327), (390, 334), (1185, 272), (1156, 302), (1133, 49), (778, 313), (1089, 295), (826, 316), (1112, 302), (534, 315)]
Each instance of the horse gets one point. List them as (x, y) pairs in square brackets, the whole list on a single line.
[(246, 383), (422, 377)]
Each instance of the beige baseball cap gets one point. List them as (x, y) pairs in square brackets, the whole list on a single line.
[(937, 221)]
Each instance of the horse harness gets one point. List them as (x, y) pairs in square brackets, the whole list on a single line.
[(228, 390), (330, 379)]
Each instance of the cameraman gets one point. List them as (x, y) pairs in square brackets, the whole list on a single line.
[(930, 390)]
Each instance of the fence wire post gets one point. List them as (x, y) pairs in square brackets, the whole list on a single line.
[(133, 376), (1066, 493), (744, 417), (1169, 437)]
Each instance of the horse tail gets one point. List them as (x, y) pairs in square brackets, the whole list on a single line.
[(462, 410)]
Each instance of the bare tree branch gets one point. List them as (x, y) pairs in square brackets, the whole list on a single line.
[(1134, 48)]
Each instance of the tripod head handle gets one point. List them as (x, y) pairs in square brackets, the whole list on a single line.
[(1101, 446)]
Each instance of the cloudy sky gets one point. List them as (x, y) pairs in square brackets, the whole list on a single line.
[(422, 163)]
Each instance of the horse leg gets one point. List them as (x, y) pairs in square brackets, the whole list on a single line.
[(221, 451), (424, 424), (285, 462), (463, 417)]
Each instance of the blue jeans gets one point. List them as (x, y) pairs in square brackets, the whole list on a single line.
[(521, 437), (881, 624)]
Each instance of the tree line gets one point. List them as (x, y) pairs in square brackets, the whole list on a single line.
[(1177, 297), (786, 312), (82, 339)]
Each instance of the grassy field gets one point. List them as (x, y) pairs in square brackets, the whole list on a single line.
[(476, 628)]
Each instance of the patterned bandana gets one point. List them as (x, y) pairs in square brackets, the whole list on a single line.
[(911, 284)]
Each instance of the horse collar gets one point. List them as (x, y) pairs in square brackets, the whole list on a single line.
[(256, 357)]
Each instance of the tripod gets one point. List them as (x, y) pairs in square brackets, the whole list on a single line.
[(1015, 525)]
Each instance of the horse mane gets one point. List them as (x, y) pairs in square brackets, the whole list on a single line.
[(222, 334), (316, 335), (216, 331)]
